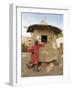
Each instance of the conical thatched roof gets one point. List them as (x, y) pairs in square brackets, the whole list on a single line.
[(56, 30)]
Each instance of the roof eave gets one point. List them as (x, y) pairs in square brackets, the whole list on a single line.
[(56, 30)]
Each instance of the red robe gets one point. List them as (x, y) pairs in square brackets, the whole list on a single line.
[(35, 53)]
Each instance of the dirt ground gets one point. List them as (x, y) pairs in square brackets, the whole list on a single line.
[(49, 70)]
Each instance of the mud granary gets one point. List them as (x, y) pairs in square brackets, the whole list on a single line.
[(45, 33)]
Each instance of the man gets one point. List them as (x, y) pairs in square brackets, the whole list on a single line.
[(34, 50)]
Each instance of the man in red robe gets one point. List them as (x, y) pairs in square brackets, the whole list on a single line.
[(35, 54)]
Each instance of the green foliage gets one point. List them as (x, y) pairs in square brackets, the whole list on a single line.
[(60, 35)]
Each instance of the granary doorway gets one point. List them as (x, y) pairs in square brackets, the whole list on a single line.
[(44, 38)]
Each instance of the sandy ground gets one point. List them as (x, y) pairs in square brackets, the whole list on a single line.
[(44, 70)]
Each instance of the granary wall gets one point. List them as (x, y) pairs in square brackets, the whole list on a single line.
[(40, 32), (50, 50)]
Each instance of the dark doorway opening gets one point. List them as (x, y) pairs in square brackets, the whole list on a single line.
[(44, 38)]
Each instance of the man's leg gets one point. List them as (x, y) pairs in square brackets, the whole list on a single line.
[(35, 67)]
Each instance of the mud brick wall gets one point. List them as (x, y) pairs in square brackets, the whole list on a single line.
[(36, 33), (47, 52)]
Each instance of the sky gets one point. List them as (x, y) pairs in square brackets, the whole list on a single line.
[(36, 18)]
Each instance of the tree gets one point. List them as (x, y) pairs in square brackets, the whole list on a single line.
[(60, 35)]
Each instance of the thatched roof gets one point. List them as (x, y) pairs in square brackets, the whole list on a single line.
[(56, 30)]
